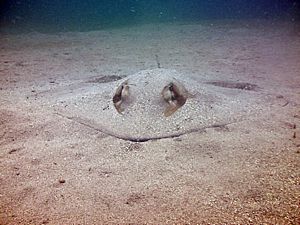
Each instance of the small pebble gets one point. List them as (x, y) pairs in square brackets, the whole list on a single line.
[(177, 139), (46, 221), (13, 150), (297, 116), (62, 181)]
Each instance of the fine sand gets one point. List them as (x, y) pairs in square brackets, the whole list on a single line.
[(57, 167)]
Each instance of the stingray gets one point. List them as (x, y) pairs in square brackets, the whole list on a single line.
[(156, 104)]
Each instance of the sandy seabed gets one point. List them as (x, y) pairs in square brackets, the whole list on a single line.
[(56, 170)]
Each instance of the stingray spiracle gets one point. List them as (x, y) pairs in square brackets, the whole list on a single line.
[(121, 95), (175, 97)]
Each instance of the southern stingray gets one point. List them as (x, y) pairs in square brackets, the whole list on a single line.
[(155, 104)]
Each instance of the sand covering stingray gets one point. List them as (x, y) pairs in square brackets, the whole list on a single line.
[(142, 117)]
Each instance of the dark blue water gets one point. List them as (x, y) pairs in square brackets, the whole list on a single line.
[(66, 15)]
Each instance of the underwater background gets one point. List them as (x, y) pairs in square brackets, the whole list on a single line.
[(77, 15)]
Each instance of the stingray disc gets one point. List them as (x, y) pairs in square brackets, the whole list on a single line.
[(142, 114)]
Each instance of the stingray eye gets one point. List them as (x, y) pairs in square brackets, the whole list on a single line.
[(120, 96), (175, 95)]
